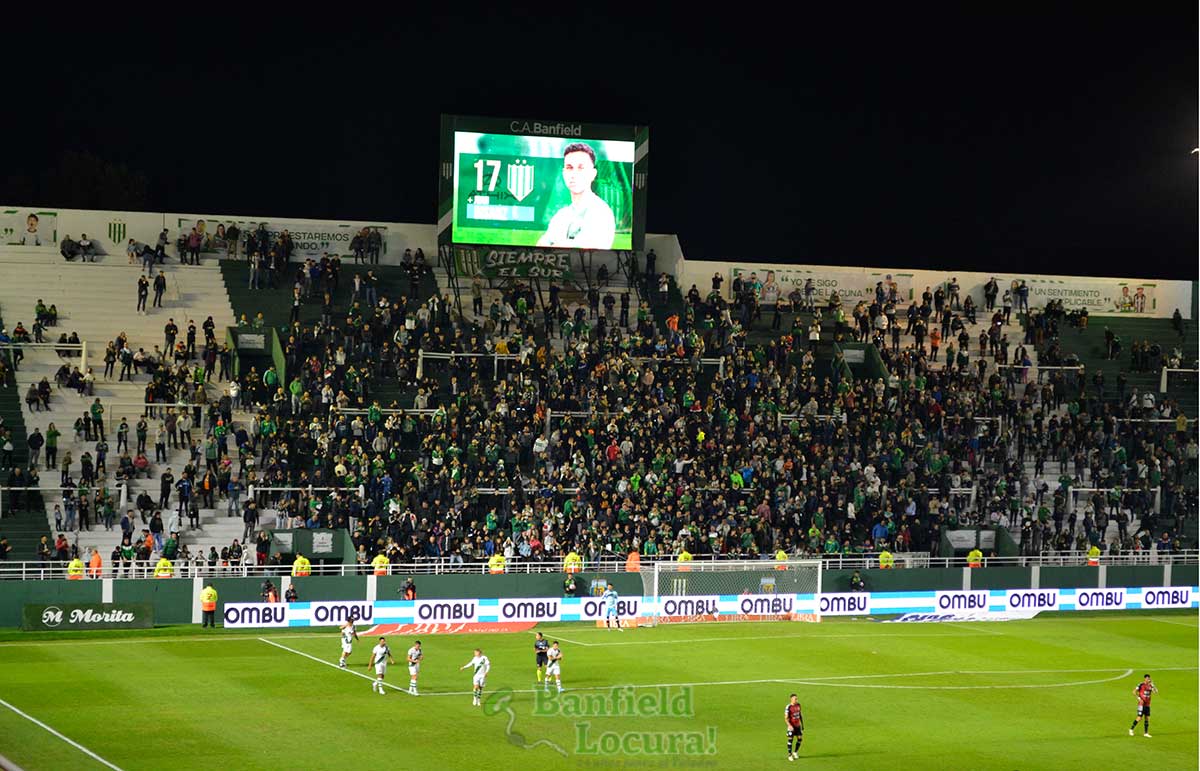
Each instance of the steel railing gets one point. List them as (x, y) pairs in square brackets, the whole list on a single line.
[(612, 564)]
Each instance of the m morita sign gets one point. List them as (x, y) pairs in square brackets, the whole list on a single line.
[(95, 615)]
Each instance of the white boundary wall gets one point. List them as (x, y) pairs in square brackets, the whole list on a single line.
[(1101, 296), (110, 230)]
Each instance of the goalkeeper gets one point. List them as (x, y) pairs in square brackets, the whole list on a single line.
[(611, 617)]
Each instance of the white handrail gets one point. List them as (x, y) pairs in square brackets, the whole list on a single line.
[(198, 566), (81, 346), (1162, 384)]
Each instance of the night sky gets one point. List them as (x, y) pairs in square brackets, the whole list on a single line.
[(1049, 141)]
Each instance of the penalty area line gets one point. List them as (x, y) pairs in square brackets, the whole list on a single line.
[(573, 642), (735, 639), (1006, 686), (839, 681), (1188, 624), (66, 739), (335, 666)]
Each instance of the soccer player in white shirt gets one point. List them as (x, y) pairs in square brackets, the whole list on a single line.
[(554, 668), (587, 222), (481, 666), (381, 656), (414, 667), (349, 635)]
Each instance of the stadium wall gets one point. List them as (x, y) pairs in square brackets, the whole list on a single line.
[(176, 601), (111, 230), (1099, 294)]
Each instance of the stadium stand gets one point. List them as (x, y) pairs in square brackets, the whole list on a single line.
[(1141, 347), (94, 302), (438, 436)]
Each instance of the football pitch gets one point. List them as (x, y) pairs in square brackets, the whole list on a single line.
[(1054, 692)]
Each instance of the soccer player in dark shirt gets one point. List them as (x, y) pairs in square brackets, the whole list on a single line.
[(540, 646), (1143, 691), (795, 726)]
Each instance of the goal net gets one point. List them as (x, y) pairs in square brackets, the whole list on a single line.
[(750, 590)]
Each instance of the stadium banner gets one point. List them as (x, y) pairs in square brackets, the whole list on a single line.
[(471, 261), (745, 607), (923, 618), (93, 615), (1101, 296), (311, 239), (850, 285), (978, 605), (255, 615), (28, 227)]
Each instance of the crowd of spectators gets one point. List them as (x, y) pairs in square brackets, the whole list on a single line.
[(615, 436), (646, 449)]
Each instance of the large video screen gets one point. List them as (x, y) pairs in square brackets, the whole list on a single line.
[(542, 185)]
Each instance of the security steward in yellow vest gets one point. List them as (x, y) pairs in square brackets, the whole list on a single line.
[(572, 563), (496, 563), (886, 560), (164, 569), (975, 558), (208, 606), (75, 570), (1094, 556), (301, 567), (380, 564), (781, 558), (684, 558)]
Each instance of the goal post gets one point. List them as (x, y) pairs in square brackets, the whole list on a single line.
[(731, 590)]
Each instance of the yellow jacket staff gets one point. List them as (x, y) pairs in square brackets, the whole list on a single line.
[(301, 567)]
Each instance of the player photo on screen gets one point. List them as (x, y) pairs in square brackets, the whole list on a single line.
[(550, 192), (587, 221)]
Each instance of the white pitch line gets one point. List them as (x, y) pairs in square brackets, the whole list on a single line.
[(612, 687), (172, 639), (66, 739), (687, 641), (331, 664), (574, 642), (1190, 625), (976, 626), (835, 680), (1007, 686), (832, 681)]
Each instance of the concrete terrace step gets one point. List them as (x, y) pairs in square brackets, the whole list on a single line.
[(98, 301)]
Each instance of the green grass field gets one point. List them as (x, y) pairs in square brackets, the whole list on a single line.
[(1050, 693)]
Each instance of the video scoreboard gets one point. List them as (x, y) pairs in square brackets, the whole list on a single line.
[(542, 185)]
